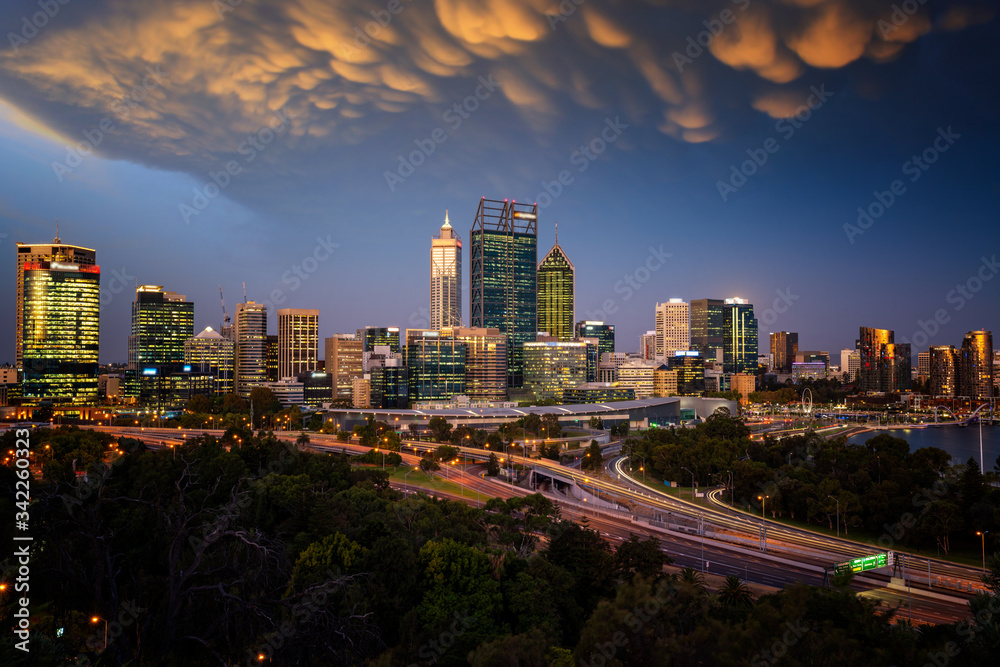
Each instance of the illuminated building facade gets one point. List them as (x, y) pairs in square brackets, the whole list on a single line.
[(943, 371), (690, 367), (784, 347), (556, 293), (707, 324), (673, 328), (209, 353), (739, 344), (59, 318), (343, 359), (976, 365), (485, 362), (604, 333), (250, 330), (435, 364), (298, 341), (446, 277), (161, 323), (503, 287), (552, 367), (381, 336)]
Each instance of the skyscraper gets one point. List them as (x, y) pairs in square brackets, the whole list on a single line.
[(435, 365), (706, 327), (673, 328), (551, 367), (604, 333), (556, 293), (647, 345), (342, 356), (250, 330), (58, 322), (944, 363), (161, 323), (885, 365), (209, 353), (485, 362), (298, 341), (446, 277), (784, 347), (503, 292), (976, 368), (34, 253), (372, 336), (739, 345)]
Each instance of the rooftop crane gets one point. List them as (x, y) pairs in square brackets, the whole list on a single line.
[(225, 315)]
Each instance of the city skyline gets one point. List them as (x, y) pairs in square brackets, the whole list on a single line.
[(861, 146)]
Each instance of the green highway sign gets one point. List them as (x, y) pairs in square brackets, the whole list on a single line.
[(865, 563)]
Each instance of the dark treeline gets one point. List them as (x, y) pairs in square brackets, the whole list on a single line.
[(225, 552)]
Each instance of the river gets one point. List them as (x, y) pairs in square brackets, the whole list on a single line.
[(959, 441)]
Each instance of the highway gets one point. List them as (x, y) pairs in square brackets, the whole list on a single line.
[(731, 542)]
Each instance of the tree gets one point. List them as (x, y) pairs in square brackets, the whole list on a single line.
[(302, 440), (532, 424), (445, 453), (940, 519), (636, 556), (597, 422), (735, 594), (199, 404), (428, 465), (264, 402), (493, 466), (440, 428), (414, 430), (593, 459)]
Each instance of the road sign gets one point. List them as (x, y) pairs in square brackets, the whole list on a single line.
[(865, 563)]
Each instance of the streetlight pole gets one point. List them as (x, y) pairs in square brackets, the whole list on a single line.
[(97, 619), (692, 482), (982, 536), (763, 519), (837, 500)]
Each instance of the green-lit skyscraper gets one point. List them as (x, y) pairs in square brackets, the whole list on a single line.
[(739, 344), (556, 293), (161, 323), (60, 322), (503, 288), (706, 327)]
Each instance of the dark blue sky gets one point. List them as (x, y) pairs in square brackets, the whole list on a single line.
[(175, 91)]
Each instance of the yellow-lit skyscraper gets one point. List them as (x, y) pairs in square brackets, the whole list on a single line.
[(446, 277), (556, 293), (250, 331), (56, 251), (976, 369), (298, 341), (58, 322), (161, 323), (673, 328), (209, 353)]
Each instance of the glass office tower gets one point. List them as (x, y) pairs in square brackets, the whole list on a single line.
[(503, 287), (61, 304), (446, 277), (706, 327), (739, 344), (161, 323), (556, 293)]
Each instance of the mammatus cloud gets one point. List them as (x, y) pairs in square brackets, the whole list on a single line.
[(343, 69)]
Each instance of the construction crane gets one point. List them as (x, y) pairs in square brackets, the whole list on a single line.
[(225, 315)]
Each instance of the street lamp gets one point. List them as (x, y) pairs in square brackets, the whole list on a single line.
[(837, 500), (692, 482), (98, 619), (763, 520), (982, 536)]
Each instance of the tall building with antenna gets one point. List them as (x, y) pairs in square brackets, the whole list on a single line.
[(503, 282), (250, 332), (446, 277), (556, 293)]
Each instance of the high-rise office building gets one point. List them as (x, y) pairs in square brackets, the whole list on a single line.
[(604, 333), (35, 253), (372, 336), (647, 345), (161, 323), (388, 386), (435, 364), (639, 376), (503, 288), (885, 366), (739, 345), (298, 341), (250, 331), (342, 356), (271, 359), (707, 328), (485, 362), (446, 277), (944, 370), (784, 347), (673, 328), (664, 381), (690, 367), (924, 365), (551, 367), (976, 365), (58, 323), (556, 293), (209, 353)]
